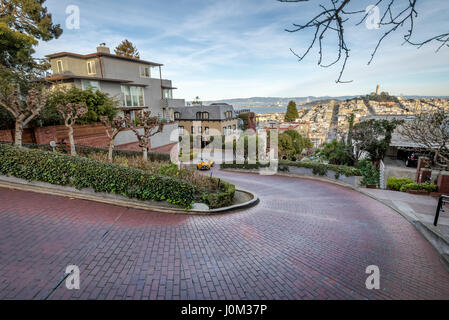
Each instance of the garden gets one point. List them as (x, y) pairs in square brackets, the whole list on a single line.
[(138, 175)]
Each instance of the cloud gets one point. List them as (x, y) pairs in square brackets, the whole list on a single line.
[(232, 48)]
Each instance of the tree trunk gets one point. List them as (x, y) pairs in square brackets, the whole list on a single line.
[(18, 134), (72, 142), (111, 149), (145, 153)]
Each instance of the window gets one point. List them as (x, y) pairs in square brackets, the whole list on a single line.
[(193, 129), (144, 71), (168, 94), (228, 114), (200, 130), (224, 131), (90, 85), (206, 130), (181, 130), (202, 116), (234, 128), (91, 67), (133, 96), (60, 68), (177, 115), (229, 130)]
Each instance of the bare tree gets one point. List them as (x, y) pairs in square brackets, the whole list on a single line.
[(334, 18), (112, 130), (430, 130), (150, 125), (71, 112), (23, 111)]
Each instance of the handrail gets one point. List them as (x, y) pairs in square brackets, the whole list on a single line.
[(443, 199)]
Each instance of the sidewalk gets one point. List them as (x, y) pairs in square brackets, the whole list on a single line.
[(420, 211)]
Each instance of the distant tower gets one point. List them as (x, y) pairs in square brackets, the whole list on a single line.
[(378, 90)]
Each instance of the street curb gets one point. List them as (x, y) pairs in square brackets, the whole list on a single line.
[(117, 200)]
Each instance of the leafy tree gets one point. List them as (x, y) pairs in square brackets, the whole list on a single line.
[(127, 49), (70, 112), (98, 104), (374, 137), (299, 142), (336, 153), (292, 112), (22, 24), (286, 146), (23, 111)]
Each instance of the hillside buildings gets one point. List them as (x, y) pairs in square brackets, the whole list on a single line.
[(138, 84), (209, 120)]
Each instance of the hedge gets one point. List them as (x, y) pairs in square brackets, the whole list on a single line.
[(394, 183), (86, 151), (429, 187), (223, 198), (317, 167), (78, 172)]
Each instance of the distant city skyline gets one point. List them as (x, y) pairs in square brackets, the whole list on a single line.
[(238, 49)]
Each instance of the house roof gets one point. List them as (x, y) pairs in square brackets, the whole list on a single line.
[(168, 87), (216, 111), (100, 54)]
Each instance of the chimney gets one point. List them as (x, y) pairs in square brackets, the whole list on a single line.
[(103, 49)]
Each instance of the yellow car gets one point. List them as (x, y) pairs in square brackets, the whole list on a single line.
[(205, 164)]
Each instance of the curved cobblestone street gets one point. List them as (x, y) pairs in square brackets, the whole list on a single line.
[(306, 239)]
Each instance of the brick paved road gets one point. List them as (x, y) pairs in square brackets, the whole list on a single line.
[(305, 240)]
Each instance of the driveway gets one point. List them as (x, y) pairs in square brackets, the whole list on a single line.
[(305, 240)]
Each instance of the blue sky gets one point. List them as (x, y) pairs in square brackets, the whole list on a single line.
[(238, 48)]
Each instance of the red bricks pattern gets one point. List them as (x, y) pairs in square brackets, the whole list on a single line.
[(305, 240)]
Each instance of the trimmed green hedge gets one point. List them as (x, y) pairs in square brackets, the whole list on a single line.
[(394, 183), (317, 167), (224, 198), (61, 169), (86, 151), (429, 187)]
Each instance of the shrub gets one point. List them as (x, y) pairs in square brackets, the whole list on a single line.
[(86, 151), (369, 173), (336, 152), (317, 167), (429, 187), (223, 198), (395, 183), (61, 169)]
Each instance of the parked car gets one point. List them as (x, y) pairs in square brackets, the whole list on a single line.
[(412, 159)]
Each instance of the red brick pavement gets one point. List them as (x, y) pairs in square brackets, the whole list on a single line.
[(305, 240)]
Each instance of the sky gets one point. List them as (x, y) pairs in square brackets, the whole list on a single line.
[(239, 48)]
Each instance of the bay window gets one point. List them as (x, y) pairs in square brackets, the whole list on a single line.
[(133, 96)]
